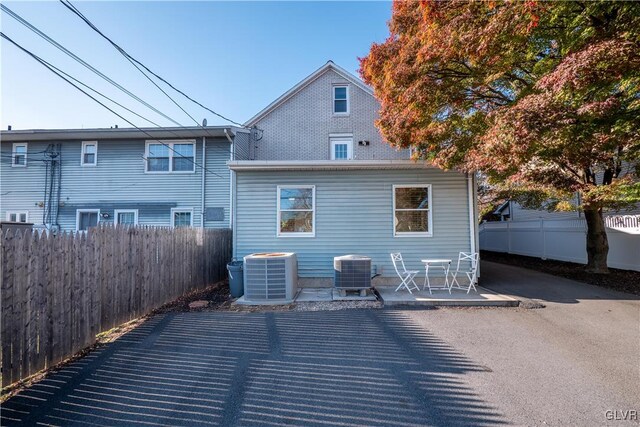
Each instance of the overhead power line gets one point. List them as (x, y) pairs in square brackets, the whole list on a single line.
[(77, 12), (102, 75), (84, 63), (60, 75), (73, 9)]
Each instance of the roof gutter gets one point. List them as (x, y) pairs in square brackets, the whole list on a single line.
[(266, 165)]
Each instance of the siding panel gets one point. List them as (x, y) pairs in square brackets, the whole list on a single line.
[(354, 214), (118, 181)]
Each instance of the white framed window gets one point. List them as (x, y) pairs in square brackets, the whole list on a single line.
[(18, 216), (181, 217), (125, 216), (87, 218), (19, 155), (341, 99), (296, 211), (341, 148), (170, 156), (412, 214), (89, 156)]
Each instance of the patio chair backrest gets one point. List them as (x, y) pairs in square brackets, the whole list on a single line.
[(472, 258), (396, 258)]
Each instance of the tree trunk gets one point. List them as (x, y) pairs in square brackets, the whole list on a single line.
[(597, 243)]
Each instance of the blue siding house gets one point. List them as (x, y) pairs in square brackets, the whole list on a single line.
[(309, 174), (323, 183), (70, 180)]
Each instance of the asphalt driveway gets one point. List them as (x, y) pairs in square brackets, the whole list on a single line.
[(566, 364)]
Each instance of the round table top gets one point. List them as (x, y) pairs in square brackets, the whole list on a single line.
[(434, 261)]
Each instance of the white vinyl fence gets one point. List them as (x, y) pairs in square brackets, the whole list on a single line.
[(564, 240)]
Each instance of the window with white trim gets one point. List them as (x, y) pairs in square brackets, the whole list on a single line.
[(87, 218), (181, 218), (19, 155), (341, 99), (170, 156), (125, 216), (296, 210), (89, 153), (18, 216), (412, 210), (341, 148)]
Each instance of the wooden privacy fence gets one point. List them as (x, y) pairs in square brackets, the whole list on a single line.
[(59, 292)]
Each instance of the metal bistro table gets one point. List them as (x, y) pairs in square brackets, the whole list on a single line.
[(442, 263)]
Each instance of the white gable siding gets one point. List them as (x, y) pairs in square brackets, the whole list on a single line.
[(299, 128)]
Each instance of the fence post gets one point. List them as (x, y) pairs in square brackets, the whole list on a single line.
[(544, 240)]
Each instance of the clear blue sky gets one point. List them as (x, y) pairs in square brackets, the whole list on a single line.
[(234, 57)]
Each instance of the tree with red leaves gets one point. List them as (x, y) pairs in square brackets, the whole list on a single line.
[(542, 97)]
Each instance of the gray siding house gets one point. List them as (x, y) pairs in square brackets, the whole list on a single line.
[(321, 182), (70, 180)]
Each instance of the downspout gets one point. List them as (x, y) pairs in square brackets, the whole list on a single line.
[(472, 225), (472, 214), (204, 165), (230, 181)]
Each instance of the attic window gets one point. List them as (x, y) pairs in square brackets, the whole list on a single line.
[(341, 99)]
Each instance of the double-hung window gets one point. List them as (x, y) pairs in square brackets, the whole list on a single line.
[(89, 153), (341, 99), (126, 216), (170, 156), (296, 210), (18, 216), (181, 217), (341, 148), (19, 155), (87, 218), (412, 210)]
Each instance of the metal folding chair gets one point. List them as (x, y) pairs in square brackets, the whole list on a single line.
[(472, 272), (405, 275)]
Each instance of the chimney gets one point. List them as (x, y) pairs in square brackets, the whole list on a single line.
[(9, 127), (116, 126)]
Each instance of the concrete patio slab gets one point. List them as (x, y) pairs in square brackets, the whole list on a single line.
[(314, 295), (353, 296), (457, 298)]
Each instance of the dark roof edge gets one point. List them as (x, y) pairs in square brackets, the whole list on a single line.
[(117, 133)]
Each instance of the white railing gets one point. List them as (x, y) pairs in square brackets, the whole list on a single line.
[(563, 240)]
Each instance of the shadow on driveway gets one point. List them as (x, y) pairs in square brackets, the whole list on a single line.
[(364, 367)]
